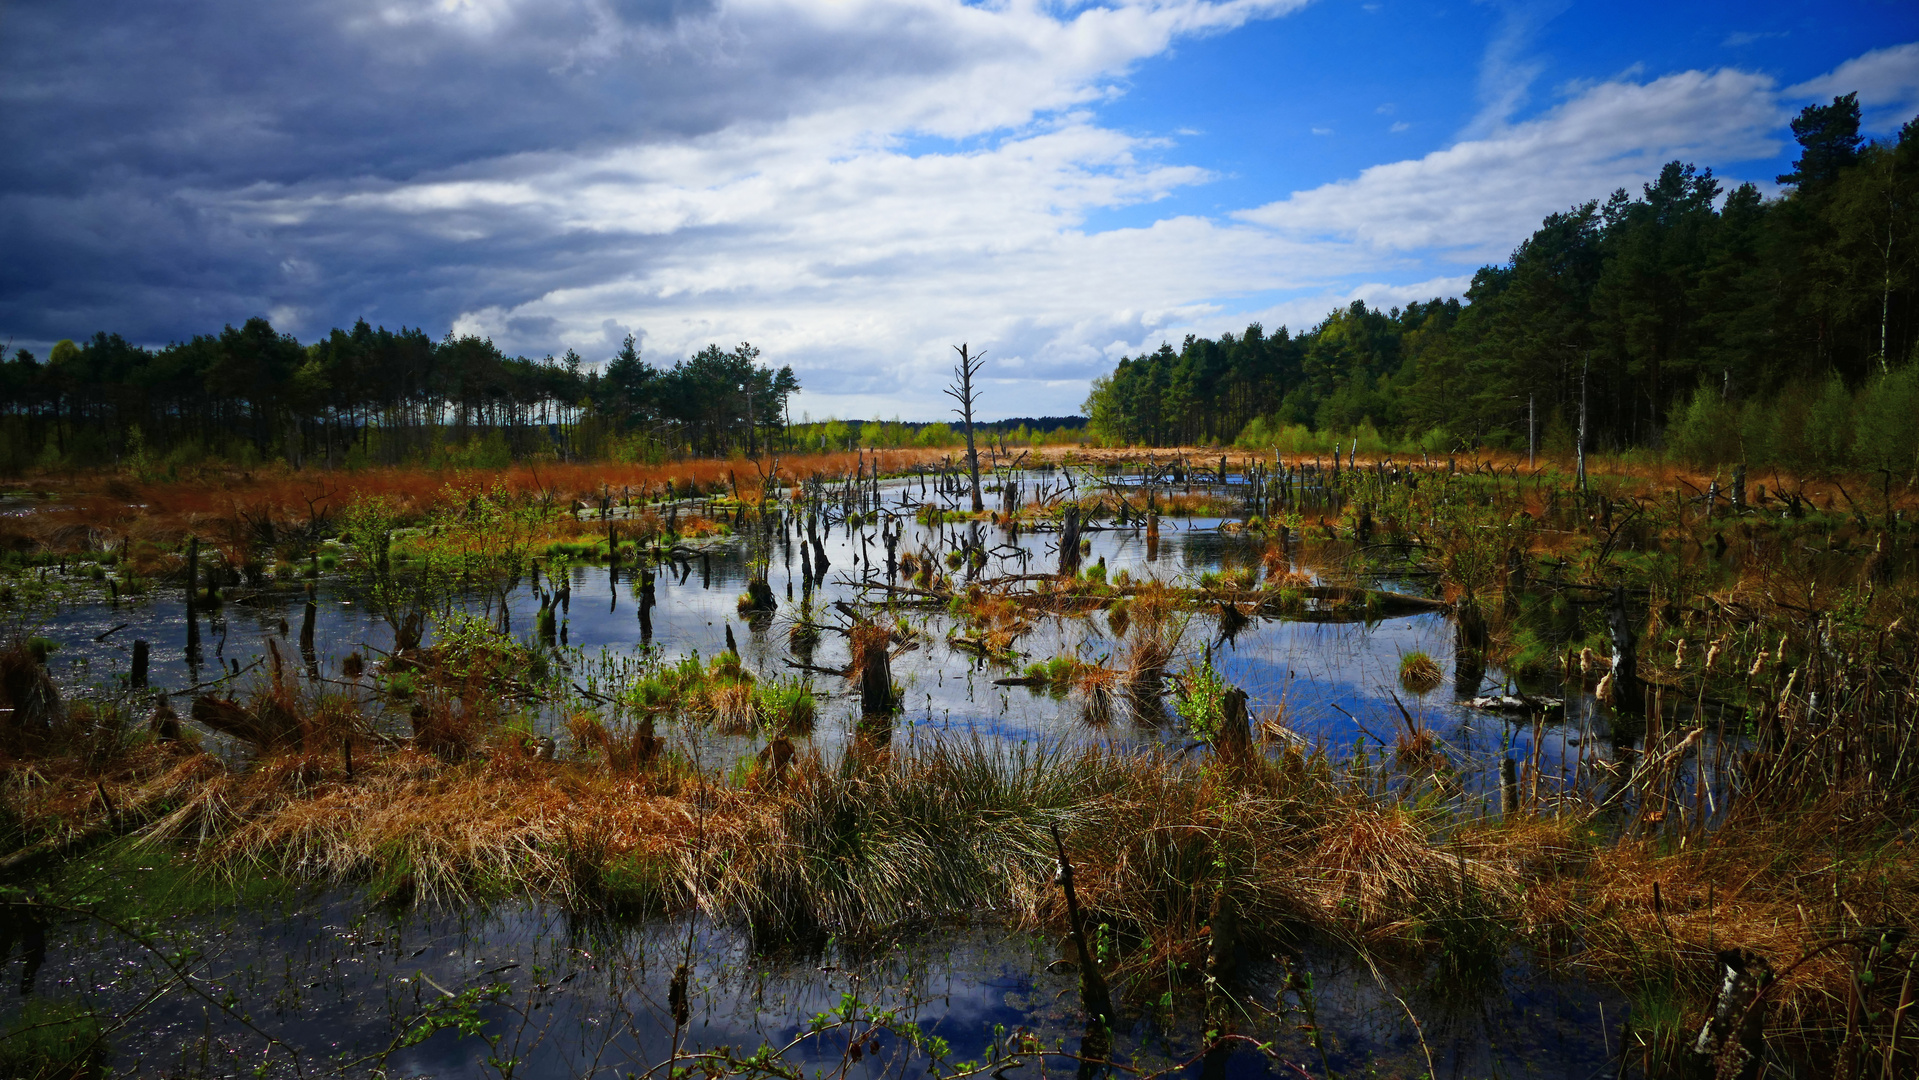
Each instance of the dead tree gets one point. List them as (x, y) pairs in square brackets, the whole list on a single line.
[(962, 391), (1069, 543), (1733, 1041), (1093, 991), (1626, 692)]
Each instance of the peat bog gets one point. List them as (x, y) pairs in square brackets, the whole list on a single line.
[(1374, 767)]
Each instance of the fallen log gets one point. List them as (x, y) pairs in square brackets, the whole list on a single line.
[(1526, 704)]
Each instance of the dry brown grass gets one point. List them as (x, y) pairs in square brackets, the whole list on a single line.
[(1783, 886), (1152, 838), (1156, 629), (1099, 689), (233, 510)]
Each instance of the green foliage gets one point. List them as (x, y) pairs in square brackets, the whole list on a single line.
[(784, 706), (1056, 674), (52, 1040), (1199, 698), (1723, 326), (363, 396)]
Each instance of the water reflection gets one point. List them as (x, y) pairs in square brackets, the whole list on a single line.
[(588, 998), (1330, 683)]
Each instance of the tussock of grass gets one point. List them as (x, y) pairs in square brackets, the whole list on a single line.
[(1419, 673), (1156, 631)]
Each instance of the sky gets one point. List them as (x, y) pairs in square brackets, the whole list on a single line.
[(856, 186)]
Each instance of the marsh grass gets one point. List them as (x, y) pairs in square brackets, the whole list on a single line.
[(52, 1039), (1420, 673), (1798, 647), (938, 828)]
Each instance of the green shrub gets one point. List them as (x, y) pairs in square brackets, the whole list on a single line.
[(784, 707), (1199, 698)]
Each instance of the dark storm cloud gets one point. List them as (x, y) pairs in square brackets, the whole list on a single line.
[(142, 140)]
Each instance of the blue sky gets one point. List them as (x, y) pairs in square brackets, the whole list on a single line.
[(1293, 103), (856, 185)]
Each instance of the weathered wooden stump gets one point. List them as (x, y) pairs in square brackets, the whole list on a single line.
[(1233, 742)]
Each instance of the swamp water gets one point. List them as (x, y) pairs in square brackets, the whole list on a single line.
[(340, 981)]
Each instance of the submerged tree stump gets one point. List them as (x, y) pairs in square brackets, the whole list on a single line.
[(1222, 954), (1469, 649), (758, 597), (873, 667)]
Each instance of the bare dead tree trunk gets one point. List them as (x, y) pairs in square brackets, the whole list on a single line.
[(1069, 543), (1093, 991), (1733, 1042), (962, 391), (1581, 448)]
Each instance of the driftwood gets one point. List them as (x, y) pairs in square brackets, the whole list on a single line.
[(1368, 602), (265, 729), (838, 673), (1524, 704)]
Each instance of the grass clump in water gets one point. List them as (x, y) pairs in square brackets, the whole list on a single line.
[(1420, 673)]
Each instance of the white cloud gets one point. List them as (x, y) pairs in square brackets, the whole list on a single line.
[(1887, 81), (1506, 72), (853, 185), (1479, 196), (860, 264), (1306, 311), (861, 269)]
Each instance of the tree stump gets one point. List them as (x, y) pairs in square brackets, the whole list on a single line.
[(759, 597), (1222, 954), (1069, 544), (1733, 1041), (870, 644), (1233, 742), (1627, 695)]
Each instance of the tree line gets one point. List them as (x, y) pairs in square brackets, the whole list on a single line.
[(1717, 324), (374, 396)]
